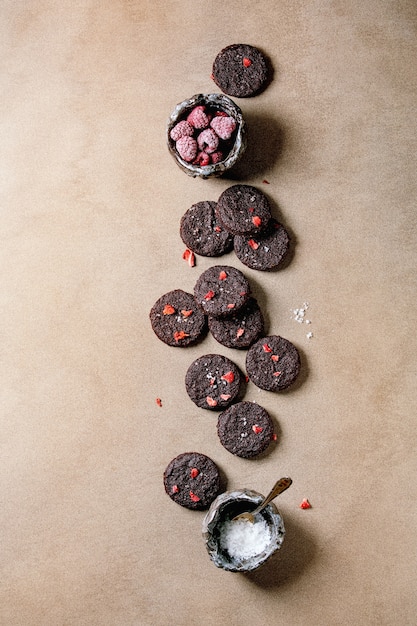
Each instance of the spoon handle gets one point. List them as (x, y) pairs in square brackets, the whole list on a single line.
[(281, 485)]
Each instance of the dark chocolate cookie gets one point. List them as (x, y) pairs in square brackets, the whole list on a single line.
[(192, 480), (241, 329), (202, 232), (240, 70), (245, 429), (264, 251), (243, 210), (176, 320), (273, 363), (221, 290), (213, 381)]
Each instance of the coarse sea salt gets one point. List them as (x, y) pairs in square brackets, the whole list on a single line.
[(243, 540)]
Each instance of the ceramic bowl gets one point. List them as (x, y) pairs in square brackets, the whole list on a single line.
[(226, 506), (234, 148)]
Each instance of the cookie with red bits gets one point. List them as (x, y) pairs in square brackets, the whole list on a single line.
[(243, 210), (241, 70), (241, 329), (273, 363), (265, 251), (192, 480), (202, 232), (221, 290), (177, 320), (245, 429), (213, 382)]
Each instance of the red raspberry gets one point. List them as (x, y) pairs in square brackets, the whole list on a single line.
[(208, 140), (216, 157), (198, 118), (223, 126), (182, 129), (187, 148), (202, 159)]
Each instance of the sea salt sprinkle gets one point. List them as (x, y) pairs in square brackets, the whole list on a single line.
[(299, 315), (242, 539)]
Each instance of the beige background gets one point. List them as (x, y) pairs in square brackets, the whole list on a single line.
[(90, 206)]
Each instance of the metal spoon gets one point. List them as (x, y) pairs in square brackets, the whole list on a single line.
[(281, 485)]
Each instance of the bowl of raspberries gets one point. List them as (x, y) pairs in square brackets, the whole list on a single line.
[(206, 135)]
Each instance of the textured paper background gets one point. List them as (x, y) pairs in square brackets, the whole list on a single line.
[(90, 208)]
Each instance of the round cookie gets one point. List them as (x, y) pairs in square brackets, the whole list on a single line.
[(243, 210), (245, 429), (213, 382), (221, 290), (241, 329), (273, 363), (264, 251), (192, 480), (176, 320), (240, 70), (202, 232)]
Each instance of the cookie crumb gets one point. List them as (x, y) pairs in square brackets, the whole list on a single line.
[(305, 504)]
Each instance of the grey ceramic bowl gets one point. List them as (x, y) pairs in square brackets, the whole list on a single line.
[(214, 102), (226, 506)]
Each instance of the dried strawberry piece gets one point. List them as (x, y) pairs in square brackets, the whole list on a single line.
[(277, 373), (225, 396), (266, 348), (189, 256), (209, 295), (275, 357), (305, 504), (180, 334), (247, 62), (228, 377), (231, 305), (239, 332), (253, 244), (211, 401), (212, 381), (222, 275), (186, 312), (175, 489), (274, 437), (256, 221), (257, 429), (194, 472), (217, 229), (158, 401), (193, 497), (168, 310)]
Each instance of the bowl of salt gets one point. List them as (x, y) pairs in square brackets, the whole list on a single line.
[(239, 545)]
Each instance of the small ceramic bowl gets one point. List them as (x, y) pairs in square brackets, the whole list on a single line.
[(233, 148), (217, 522)]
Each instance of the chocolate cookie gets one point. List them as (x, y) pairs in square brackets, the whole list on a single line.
[(213, 381), (241, 329), (243, 210), (273, 363), (245, 429), (264, 251), (192, 480), (202, 232), (221, 290), (240, 70), (176, 320)]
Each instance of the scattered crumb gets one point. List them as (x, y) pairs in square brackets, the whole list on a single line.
[(309, 335), (158, 401), (305, 504)]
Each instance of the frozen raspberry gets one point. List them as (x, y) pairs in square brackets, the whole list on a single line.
[(216, 157), (182, 129), (224, 126), (202, 159), (198, 117), (208, 140), (187, 148)]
